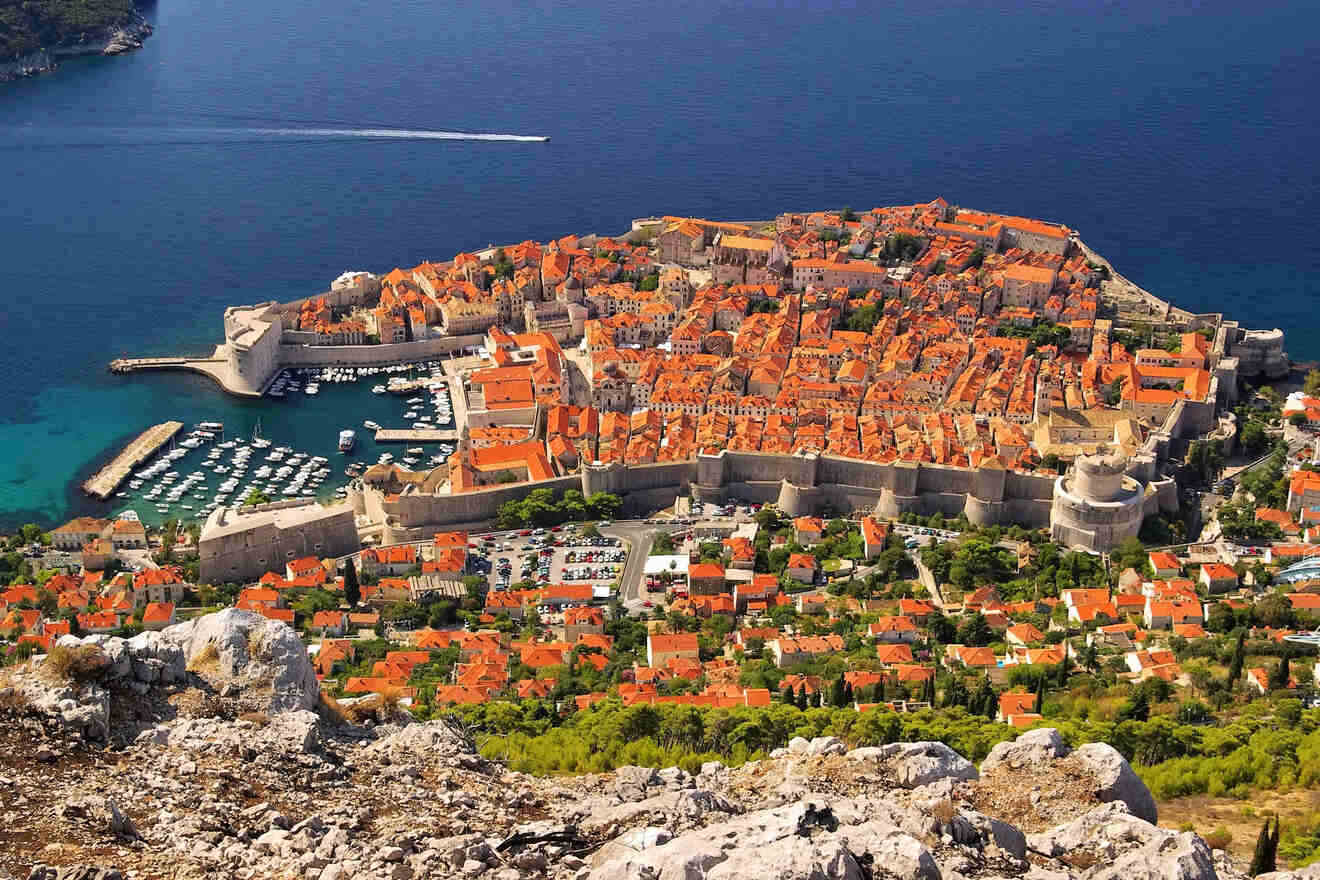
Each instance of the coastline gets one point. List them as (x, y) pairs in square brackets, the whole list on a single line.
[(116, 40)]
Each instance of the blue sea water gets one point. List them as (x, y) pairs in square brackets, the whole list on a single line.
[(1179, 137)]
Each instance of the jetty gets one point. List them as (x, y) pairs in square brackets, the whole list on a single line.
[(412, 435), (108, 478)]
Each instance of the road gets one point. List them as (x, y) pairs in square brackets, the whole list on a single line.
[(639, 536)]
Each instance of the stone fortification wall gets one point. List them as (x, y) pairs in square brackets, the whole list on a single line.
[(1259, 352), (417, 509), (622, 480), (261, 543), (803, 484), (365, 355)]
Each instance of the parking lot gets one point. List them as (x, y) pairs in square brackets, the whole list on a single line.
[(544, 556)]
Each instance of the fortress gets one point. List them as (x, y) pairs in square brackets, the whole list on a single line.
[(1100, 502), (733, 375)]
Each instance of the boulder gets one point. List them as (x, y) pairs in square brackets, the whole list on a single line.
[(437, 738), (674, 810), (801, 840), (826, 745), (631, 783), (1032, 748), (262, 656), (1117, 781), (1126, 847), (921, 763)]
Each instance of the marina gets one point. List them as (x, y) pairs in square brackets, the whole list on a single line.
[(107, 480), (309, 449)]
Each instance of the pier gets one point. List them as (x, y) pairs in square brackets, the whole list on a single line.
[(216, 368), (412, 435), (108, 478)]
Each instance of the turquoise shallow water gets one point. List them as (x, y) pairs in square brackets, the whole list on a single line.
[(1179, 138)]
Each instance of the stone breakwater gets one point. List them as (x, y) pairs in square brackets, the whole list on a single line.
[(110, 41)]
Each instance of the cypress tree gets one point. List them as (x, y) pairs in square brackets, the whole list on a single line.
[(352, 592), (1279, 681), (1239, 652), (1263, 859), (787, 697), (1040, 692), (847, 694), (802, 696), (928, 691), (836, 693), (817, 699)]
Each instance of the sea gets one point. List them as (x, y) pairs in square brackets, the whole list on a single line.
[(228, 162)]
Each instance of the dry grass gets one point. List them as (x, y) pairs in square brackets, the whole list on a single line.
[(1081, 859), (943, 812), (380, 707), (1240, 820), (260, 719), (11, 699), (332, 710), (81, 664), (206, 660)]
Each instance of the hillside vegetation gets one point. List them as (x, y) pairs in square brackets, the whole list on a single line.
[(26, 25)]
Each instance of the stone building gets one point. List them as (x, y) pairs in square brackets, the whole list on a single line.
[(239, 546), (1097, 504)]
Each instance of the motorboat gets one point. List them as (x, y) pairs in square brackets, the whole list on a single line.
[(370, 425), (347, 438)]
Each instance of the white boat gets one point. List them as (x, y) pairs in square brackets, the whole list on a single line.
[(378, 389), (211, 426), (414, 450), (347, 438), (370, 425)]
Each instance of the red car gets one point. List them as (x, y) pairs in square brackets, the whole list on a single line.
[(648, 604), (524, 533)]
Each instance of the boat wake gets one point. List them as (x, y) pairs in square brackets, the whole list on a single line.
[(392, 133), (92, 136)]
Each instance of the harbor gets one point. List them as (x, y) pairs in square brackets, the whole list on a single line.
[(295, 443), (108, 478)]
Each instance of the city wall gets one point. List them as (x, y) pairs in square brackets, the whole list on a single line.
[(371, 355), (257, 540)]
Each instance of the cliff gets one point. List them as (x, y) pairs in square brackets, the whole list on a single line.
[(35, 34), (191, 753)]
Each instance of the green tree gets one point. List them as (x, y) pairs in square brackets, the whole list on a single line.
[(255, 497), (1280, 676), (838, 698), (1239, 655), (352, 590), (864, 319), (1263, 860), (1137, 708)]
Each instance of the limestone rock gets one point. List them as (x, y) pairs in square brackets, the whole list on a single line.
[(264, 657), (921, 763), (1117, 781), (1032, 748)]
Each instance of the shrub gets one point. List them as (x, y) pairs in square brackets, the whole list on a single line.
[(1220, 838), (81, 664), (206, 659)]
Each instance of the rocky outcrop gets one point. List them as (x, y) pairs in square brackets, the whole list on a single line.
[(248, 651), (100, 687), (1041, 758), (117, 40), (292, 794)]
